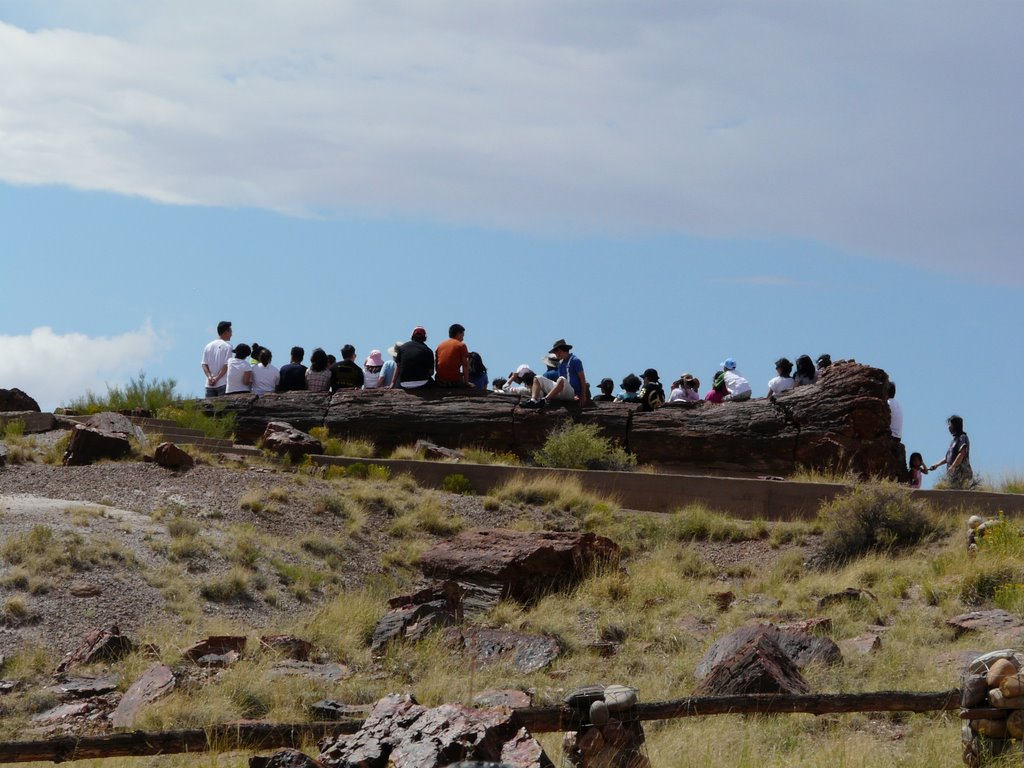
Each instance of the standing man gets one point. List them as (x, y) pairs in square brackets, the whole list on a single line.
[(571, 383), (414, 363), (452, 358), (215, 360)]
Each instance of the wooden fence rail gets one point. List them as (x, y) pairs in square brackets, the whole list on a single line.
[(255, 736)]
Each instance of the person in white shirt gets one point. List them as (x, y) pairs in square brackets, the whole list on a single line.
[(739, 387), (265, 377), (784, 380), (519, 382), (239, 375), (215, 360), (896, 412)]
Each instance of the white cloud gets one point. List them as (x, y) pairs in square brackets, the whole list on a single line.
[(879, 128), (54, 368)]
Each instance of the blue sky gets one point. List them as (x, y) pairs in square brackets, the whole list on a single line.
[(339, 176)]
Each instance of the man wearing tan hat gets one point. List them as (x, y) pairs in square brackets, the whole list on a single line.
[(571, 383)]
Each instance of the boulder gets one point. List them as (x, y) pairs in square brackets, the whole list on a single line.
[(99, 644), (800, 647), (758, 666), (512, 698), (982, 621), (170, 456), (843, 421), (116, 424), (285, 758), (526, 653), (283, 438), (16, 400), (215, 645), (156, 682), (83, 687), (329, 709), (433, 451), (399, 733), (31, 421), (527, 564), (289, 646), (89, 444)]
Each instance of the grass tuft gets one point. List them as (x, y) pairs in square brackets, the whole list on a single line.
[(580, 446)]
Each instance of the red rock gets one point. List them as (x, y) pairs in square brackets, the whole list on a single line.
[(800, 647), (88, 445), (527, 564), (16, 400), (862, 645), (758, 666), (975, 621), (170, 456), (99, 644), (216, 645), (155, 683), (282, 437), (527, 653)]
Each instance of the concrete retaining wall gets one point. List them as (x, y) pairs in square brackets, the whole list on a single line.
[(740, 497)]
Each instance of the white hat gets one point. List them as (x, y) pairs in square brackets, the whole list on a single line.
[(523, 369)]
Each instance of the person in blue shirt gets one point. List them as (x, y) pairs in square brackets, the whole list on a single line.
[(571, 383)]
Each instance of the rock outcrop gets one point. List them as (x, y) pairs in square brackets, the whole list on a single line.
[(840, 423), (16, 400)]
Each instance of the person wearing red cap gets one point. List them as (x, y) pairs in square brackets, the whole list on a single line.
[(415, 362)]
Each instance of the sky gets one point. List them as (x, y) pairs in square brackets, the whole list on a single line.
[(660, 184)]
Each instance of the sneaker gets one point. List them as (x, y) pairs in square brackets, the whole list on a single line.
[(532, 404)]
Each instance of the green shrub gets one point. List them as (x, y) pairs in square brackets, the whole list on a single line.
[(228, 587), (137, 393), (457, 483), (1010, 597), (873, 519), (579, 446), (188, 415), (696, 522)]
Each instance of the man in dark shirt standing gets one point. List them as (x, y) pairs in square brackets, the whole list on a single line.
[(293, 375), (346, 373), (415, 362)]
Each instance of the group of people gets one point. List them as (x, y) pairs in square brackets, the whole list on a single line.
[(413, 364)]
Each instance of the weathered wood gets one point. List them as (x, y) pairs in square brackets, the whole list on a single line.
[(553, 719), (141, 743), (536, 720), (841, 423)]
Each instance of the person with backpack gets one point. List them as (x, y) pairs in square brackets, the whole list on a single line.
[(652, 394)]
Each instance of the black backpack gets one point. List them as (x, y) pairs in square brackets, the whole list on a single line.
[(652, 396)]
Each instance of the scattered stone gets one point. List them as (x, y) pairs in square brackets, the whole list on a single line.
[(219, 660), (170, 456), (981, 621), (759, 666), (84, 589), (800, 647), (84, 687), (17, 400), (434, 451), (117, 424), (441, 604), (156, 682), (288, 646), (848, 594), (527, 564), (284, 438), (99, 644), (9, 686), (285, 758), (215, 645), (328, 709), (821, 624), (527, 653), (399, 733), (697, 627), (861, 645), (604, 648), (512, 698), (331, 673), (62, 712), (723, 599), (88, 445)]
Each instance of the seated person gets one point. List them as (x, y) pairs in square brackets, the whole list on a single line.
[(498, 385), (387, 371), (718, 391), (239, 376), (452, 359), (783, 381), (265, 377), (293, 375), (630, 389), (477, 371), (371, 369), (415, 361), (607, 386), (318, 375), (570, 384), (739, 388), (685, 389), (347, 373), (823, 361), (551, 367), (651, 394), (805, 371), (519, 382)]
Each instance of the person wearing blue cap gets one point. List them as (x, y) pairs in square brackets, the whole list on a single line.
[(739, 388)]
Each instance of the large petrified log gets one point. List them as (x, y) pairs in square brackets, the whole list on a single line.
[(842, 423)]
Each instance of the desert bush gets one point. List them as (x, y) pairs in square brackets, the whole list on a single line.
[(697, 522), (227, 587), (579, 446), (457, 483), (187, 415), (149, 395), (874, 519), (334, 446)]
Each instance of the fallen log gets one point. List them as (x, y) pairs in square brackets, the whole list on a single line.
[(249, 735), (840, 424)]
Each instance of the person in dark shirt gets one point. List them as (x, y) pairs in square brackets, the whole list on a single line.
[(607, 386), (415, 362), (346, 373), (293, 375)]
